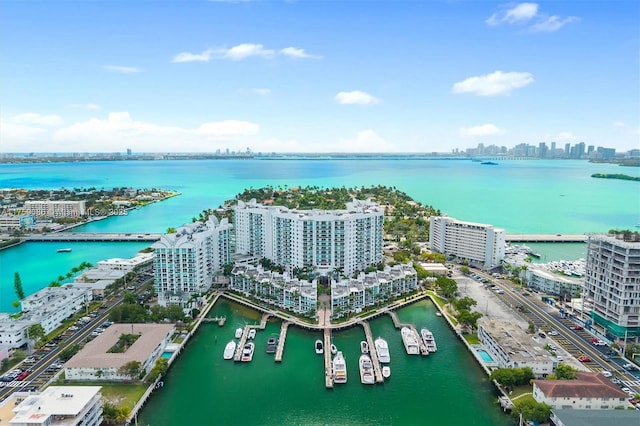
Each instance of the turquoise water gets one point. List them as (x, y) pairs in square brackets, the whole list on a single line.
[(167, 355), (484, 355), (445, 388)]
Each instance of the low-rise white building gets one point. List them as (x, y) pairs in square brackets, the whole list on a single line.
[(297, 295), (94, 362), (53, 305), (355, 294), (551, 283), (511, 347), (60, 405), (589, 391), (126, 265)]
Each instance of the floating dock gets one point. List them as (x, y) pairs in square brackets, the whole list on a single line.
[(328, 365), (377, 370), (397, 324), (281, 340)]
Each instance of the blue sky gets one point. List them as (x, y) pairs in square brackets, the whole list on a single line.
[(317, 76)]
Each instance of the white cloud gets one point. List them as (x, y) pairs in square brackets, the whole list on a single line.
[(204, 56), (521, 12), (496, 83), (549, 24), (482, 130), (294, 52), (525, 13), (565, 136), (119, 130), (356, 97), (84, 106), (35, 119), (122, 70), (15, 137), (365, 141), (246, 50), (619, 124)]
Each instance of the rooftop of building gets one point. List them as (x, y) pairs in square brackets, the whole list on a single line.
[(571, 417), (95, 355), (521, 346), (62, 401), (585, 385)]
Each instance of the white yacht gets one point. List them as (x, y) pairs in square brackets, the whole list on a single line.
[(428, 340), (247, 352), (386, 371), (229, 350), (366, 370), (364, 347), (334, 349), (382, 349), (238, 332), (339, 368), (410, 341), (252, 333), (319, 346)]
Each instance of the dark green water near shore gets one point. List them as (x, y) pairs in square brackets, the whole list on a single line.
[(445, 388)]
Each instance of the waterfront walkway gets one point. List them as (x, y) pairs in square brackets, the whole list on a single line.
[(373, 354)]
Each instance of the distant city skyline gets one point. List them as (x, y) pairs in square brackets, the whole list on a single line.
[(281, 76)]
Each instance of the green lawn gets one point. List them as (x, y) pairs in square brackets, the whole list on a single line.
[(471, 339), (119, 394)]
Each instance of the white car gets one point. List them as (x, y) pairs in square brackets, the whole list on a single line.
[(553, 333), (607, 374)]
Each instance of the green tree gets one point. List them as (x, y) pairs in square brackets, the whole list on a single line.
[(468, 318), (533, 410), (36, 332), (565, 372), (131, 369), (17, 285), (464, 303), (16, 304), (464, 270), (66, 354), (447, 287)]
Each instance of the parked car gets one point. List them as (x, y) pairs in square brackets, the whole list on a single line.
[(553, 333), (577, 327), (607, 374), (542, 335), (584, 358)]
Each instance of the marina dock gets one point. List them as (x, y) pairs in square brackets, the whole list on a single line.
[(377, 370), (281, 340), (397, 324), (328, 365), (241, 343), (219, 320)]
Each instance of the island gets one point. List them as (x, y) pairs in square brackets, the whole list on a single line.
[(618, 176)]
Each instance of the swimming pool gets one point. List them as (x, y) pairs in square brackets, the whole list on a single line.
[(167, 355), (484, 355)]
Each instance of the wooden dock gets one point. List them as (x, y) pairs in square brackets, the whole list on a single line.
[(219, 320), (373, 354), (243, 340), (328, 365), (281, 340)]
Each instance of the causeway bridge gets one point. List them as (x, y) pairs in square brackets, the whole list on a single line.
[(545, 238), (93, 237)]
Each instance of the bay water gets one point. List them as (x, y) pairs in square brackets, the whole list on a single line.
[(447, 388)]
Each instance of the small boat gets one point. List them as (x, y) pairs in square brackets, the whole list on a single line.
[(366, 370), (339, 369), (64, 250), (247, 352), (439, 314), (382, 349), (423, 350), (428, 340), (319, 346), (410, 341), (489, 163), (386, 371), (272, 345), (229, 350), (252, 333), (364, 347), (238, 333), (334, 349)]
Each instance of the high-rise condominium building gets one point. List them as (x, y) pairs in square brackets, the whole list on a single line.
[(612, 282), (185, 261), (474, 242), (348, 240)]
